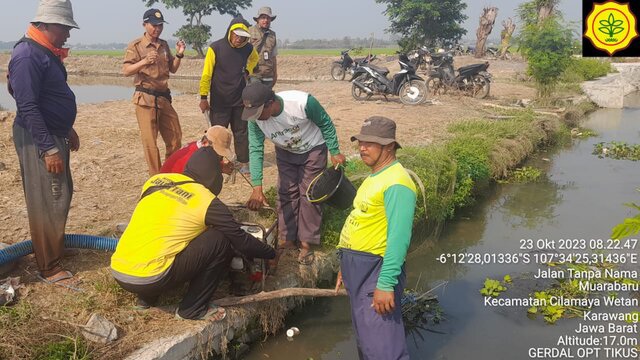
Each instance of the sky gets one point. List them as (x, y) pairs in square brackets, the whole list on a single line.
[(119, 21)]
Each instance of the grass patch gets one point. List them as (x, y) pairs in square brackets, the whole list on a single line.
[(68, 348), (525, 174)]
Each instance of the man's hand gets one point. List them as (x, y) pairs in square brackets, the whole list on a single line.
[(54, 163), (383, 302), (74, 140), (337, 159), (339, 281), (151, 57), (204, 105), (257, 199), (180, 47), (226, 167)]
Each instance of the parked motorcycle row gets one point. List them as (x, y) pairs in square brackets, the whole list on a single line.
[(368, 80)]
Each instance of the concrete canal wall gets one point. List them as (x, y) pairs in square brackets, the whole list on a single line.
[(609, 91)]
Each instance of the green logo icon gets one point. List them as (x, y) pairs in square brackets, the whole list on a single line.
[(611, 27)]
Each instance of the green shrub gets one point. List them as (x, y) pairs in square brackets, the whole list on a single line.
[(69, 348), (584, 69)]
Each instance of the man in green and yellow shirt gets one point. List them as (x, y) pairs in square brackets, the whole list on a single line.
[(374, 242)]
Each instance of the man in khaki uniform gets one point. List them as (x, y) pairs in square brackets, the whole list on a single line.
[(150, 60), (263, 40)]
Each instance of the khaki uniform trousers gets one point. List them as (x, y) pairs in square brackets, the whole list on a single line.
[(166, 122)]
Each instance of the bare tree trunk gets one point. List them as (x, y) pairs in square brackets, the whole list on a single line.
[(487, 20), (277, 294), (545, 9), (505, 36)]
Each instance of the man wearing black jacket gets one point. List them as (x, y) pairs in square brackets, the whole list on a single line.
[(227, 63)]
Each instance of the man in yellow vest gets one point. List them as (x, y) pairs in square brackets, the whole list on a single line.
[(374, 243), (181, 232)]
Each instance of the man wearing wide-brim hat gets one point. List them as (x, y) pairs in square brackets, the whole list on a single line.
[(43, 132), (263, 39), (374, 243)]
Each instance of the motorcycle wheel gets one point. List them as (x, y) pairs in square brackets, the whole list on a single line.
[(358, 93), (413, 92), (435, 86), (481, 87), (337, 72)]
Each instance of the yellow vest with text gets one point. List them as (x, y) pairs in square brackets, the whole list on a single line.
[(162, 225), (366, 226)]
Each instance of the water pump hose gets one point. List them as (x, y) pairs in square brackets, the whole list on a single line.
[(79, 241)]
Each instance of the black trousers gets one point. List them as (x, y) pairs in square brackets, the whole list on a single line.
[(232, 117), (203, 263)]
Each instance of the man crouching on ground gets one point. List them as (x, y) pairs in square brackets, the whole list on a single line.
[(181, 232), (374, 243)]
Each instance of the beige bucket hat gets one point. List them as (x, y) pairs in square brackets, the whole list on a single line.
[(265, 10), (55, 12)]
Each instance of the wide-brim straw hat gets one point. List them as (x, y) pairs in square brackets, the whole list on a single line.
[(55, 12)]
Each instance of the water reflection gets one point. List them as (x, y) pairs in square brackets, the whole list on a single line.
[(96, 89)]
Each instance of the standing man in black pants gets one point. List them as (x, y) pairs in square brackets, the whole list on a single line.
[(227, 64)]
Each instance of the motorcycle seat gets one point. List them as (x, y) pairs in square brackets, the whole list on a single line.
[(382, 70), (473, 68)]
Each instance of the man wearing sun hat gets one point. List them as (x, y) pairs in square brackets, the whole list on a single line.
[(216, 136), (43, 132), (374, 242), (149, 59), (228, 62), (180, 232), (302, 133), (263, 39)]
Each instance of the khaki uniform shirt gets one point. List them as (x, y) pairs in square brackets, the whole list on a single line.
[(267, 54), (154, 76)]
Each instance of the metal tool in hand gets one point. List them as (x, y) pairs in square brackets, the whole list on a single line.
[(207, 119)]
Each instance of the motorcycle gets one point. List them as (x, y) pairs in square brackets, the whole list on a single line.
[(420, 60), (370, 79), (347, 65), (471, 79)]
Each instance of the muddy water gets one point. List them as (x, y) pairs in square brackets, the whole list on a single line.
[(580, 197)]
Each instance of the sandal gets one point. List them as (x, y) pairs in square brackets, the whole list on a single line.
[(63, 278), (308, 258), (213, 314)]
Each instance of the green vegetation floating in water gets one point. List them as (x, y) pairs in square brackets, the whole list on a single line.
[(526, 174), (494, 287), (617, 150), (583, 133)]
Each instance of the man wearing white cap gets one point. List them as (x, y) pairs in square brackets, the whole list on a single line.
[(43, 132), (263, 39), (227, 63)]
